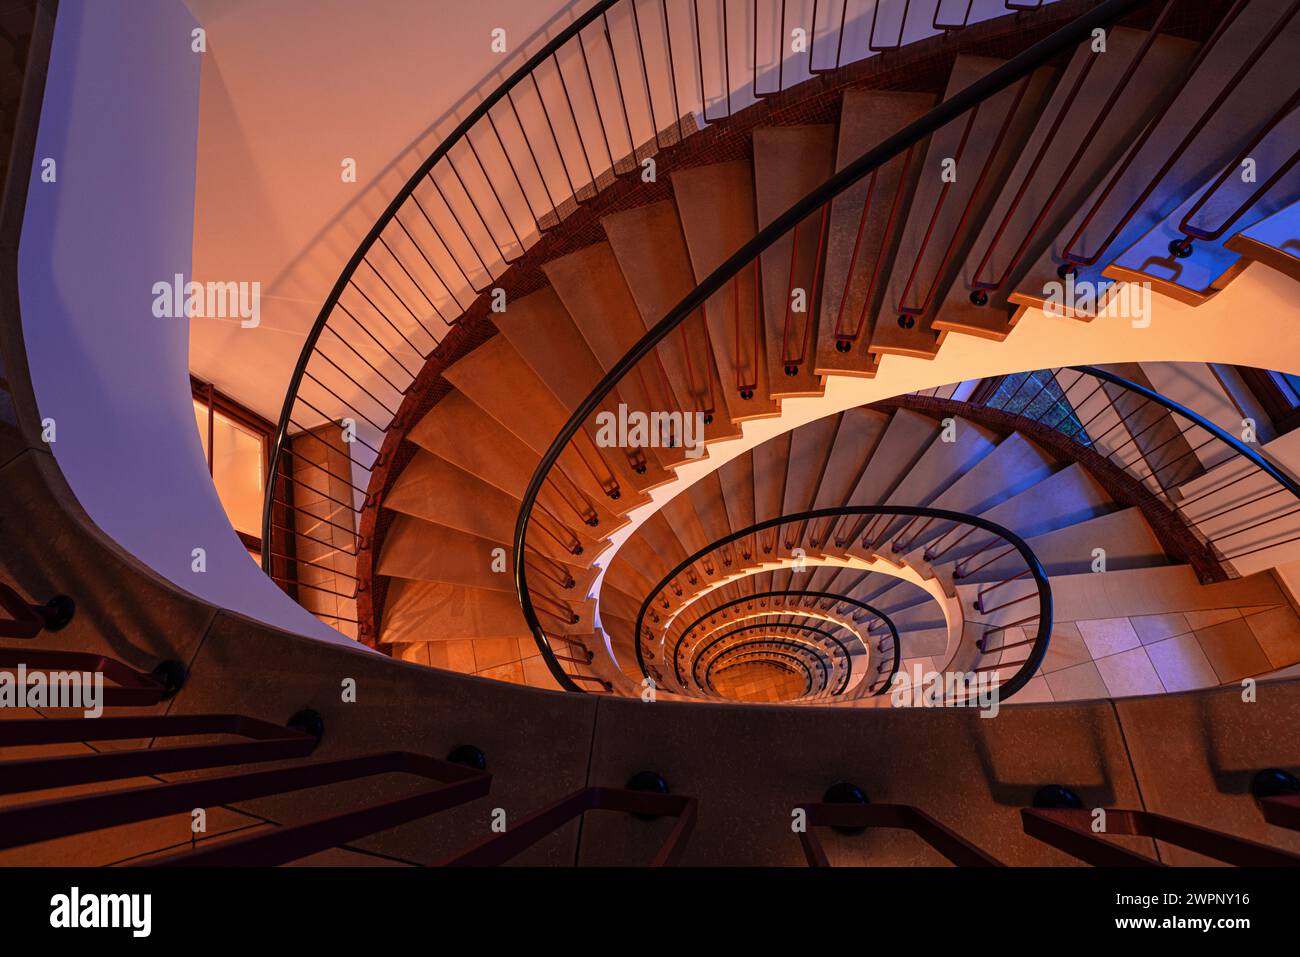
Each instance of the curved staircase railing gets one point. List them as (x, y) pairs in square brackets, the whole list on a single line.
[(625, 80), (798, 602), (1007, 590), (1228, 494), (795, 238)]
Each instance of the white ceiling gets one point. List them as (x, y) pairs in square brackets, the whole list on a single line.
[(289, 90)]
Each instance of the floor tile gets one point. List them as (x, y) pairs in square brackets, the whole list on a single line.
[(1181, 664), (454, 655), (1108, 636), (1278, 633), (492, 652), (1079, 683), (1037, 689), (513, 673), (1129, 673), (1233, 650), (1196, 620), (1153, 628), (1065, 649)]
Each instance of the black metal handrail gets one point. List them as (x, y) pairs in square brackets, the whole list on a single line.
[(1001, 78), (879, 541)]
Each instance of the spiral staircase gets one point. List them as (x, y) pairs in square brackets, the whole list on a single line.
[(772, 255), (751, 266)]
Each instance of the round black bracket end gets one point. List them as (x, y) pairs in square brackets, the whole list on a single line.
[(906, 322), (1055, 796), (171, 675), (469, 756), (792, 370), (651, 781), (979, 297), (1181, 248), (843, 345), (1066, 269), (1274, 782), (58, 612), (747, 394), (308, 722), (845, 792)]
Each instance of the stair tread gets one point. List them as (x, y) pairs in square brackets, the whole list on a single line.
[(650, 247), (1055, 192), (913, 254), (1273, 240), (1222, 137), (591, 285), (867, 118), (426, 551), (497, 458), (497, 379), (435, 611), (1212, 265), (716, 206), (438, 492), (789, 162), (541, 330)]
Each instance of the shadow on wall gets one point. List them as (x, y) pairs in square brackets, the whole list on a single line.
[(119, 120)]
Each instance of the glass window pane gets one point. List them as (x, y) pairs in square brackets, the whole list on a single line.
[(1037, 396), (237, 471)]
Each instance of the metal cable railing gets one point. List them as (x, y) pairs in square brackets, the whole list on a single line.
[(1229, 493)]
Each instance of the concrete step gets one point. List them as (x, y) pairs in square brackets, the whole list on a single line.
[(1032, 209), (860, 247), (717, 211), (922, 270), (1211, 266), (651, 250), (789, 162), (1109, 229), (1273, 241)]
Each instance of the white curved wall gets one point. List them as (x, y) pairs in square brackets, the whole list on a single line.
[(120, 119)]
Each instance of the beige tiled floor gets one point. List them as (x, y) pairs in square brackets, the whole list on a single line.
[(1170, 651)]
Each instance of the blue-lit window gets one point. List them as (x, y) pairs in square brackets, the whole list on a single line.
[(1038, 396)]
